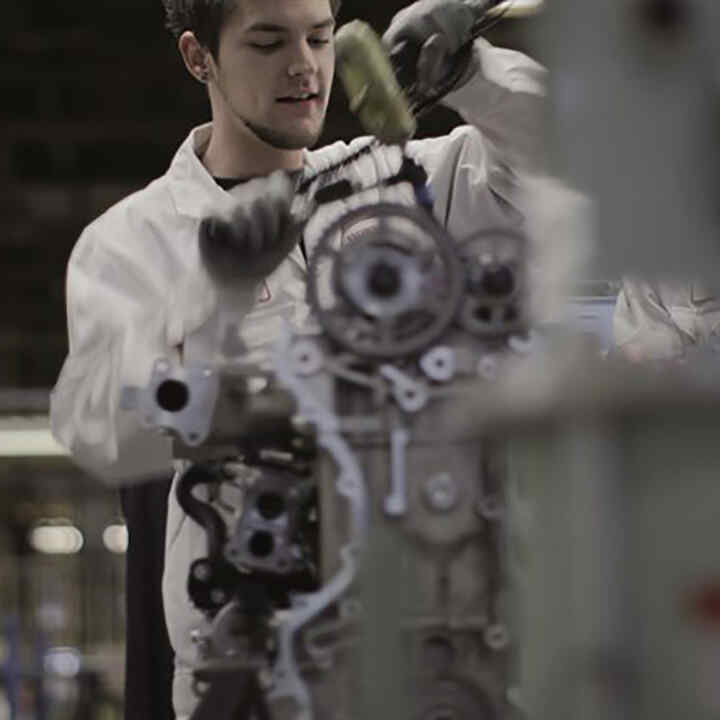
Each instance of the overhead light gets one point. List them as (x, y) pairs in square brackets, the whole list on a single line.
[(56, 537), (115, 538), (29, 443), (28, 436)]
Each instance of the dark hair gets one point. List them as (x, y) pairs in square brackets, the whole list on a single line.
[(205, 18)]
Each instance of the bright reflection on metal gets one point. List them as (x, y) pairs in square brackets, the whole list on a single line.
[(56, 537), (62, 661), (115, 538)]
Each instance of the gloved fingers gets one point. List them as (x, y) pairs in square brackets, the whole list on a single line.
[(220, 248), (425, 38), (284, 240), (432, 67), (261, 222), (271, 240), (454, 21), (278, 202), (417, 22), (207, 231), (278, 194), (251, 243), (290, 235), (257, 229), (405, 26), (279, 197), (240, 225)]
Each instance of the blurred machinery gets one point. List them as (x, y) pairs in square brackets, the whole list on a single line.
[(613, 531), (613, 468), (634, 123), (361, 570)]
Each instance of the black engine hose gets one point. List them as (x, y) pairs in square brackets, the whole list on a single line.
[(201, 512)]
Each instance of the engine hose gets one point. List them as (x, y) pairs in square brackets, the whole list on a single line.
[(201, 512)]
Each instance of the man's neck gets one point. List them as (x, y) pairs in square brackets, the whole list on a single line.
[(239, 154)]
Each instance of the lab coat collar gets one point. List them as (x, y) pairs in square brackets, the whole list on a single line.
[(193, 189)]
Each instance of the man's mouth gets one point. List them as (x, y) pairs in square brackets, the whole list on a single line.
[(299, 98)]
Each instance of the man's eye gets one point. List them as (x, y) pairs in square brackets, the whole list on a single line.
[(319, 41), (266, 46)]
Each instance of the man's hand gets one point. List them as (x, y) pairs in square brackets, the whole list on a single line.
[(258, 235), (438, 29)]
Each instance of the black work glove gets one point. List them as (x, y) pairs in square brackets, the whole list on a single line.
[(256, 237), (432, 32)]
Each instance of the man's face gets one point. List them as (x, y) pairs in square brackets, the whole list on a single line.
[(275, 67)]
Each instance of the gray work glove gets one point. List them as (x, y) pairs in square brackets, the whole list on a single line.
[(250, 242), (438, 29)]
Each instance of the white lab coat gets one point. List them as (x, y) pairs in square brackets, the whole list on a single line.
[(136, 290), (662, 320)]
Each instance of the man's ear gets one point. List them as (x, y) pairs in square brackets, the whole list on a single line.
[(195, 56)]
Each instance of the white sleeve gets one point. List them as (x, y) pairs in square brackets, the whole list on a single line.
[(505, 100), (117, 329), (643, 327), (476, 170)]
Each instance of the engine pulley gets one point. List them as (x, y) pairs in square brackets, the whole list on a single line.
[(385, 281)]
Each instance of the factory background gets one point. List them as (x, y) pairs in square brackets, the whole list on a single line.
[(95, 101)]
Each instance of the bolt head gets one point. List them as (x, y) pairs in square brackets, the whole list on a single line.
[(441, 492), (497, 636), (202, 571), (487, 368)]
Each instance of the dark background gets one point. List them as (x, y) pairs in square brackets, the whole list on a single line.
[(95, 101)]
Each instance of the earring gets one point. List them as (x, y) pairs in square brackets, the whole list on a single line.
[(204, 75)]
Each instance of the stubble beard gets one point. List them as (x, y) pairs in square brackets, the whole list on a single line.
[(282, 140), (277, 139)]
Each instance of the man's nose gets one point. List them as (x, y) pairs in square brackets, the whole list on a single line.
[(303, 61)]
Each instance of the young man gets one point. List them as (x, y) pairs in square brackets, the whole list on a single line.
[(137, 289)]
